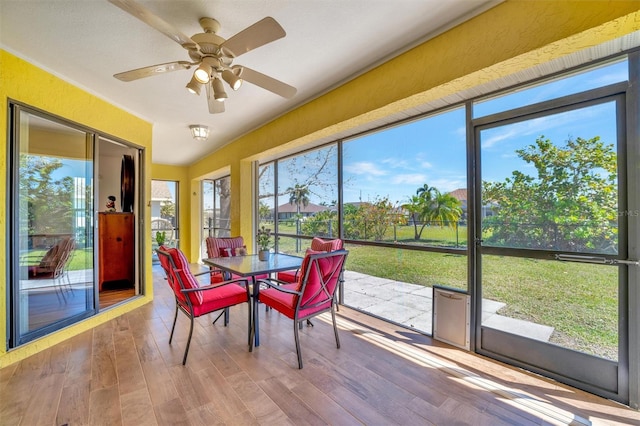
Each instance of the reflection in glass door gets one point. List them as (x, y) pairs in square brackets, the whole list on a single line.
[(552, 246), (52, 241)]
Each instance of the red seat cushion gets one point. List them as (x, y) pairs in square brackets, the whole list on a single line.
[(288, 276), (219, 298)]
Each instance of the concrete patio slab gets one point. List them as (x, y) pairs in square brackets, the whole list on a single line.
[(412, 305)]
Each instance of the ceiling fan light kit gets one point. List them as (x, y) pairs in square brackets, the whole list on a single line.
[(232, 80), (200, 132), (194, 86), (212, 54), (218, 90), (203, 73)]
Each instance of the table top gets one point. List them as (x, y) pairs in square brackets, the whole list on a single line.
[(250, 265)]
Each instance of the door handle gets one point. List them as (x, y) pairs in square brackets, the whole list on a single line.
[(596, 259)]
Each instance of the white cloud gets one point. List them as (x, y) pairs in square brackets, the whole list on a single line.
[(409, 179), (365, 168)]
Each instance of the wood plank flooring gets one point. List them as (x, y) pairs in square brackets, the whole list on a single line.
[(125, 373)]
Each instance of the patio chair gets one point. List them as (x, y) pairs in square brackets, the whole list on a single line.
[(317, 244), (313, 293), (224, 247), (52, 263), (195, 300)]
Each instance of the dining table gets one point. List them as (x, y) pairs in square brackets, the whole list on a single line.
[(250, 266)]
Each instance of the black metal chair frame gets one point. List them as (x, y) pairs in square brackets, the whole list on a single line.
[(188, 309)]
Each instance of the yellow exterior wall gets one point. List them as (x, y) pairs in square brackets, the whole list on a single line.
[(180, 175), (25, 83), (513, 36)]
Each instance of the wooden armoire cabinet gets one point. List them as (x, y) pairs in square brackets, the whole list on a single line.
[(116, 250)]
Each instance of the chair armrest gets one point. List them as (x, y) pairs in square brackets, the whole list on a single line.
[(278, 285), (216, 285), (211, 271), (272, 282)]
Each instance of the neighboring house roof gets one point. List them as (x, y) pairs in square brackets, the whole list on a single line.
[(160, 191), (460, 194), (309, 208)]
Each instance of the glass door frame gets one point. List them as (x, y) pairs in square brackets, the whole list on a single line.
[(16, 337), (617, 93)]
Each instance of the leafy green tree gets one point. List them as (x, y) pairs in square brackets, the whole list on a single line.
[(376, 217), (322, 224), (571, 205), (49, 201), (350, 226), (168, 209)]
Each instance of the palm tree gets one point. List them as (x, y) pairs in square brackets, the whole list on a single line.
[(445, 208), (426, 192), (299, 195), (414, 207)]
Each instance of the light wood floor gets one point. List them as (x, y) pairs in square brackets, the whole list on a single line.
[(125, 372)]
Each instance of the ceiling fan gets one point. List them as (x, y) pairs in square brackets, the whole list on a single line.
[(212, 55)]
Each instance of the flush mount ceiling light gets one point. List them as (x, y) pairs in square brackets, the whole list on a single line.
[(200, 132), (211, 55)]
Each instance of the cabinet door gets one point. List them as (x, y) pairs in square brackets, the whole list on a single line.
[(116, 248)]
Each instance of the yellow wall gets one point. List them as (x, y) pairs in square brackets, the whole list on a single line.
[(25, 83), (513, 36)]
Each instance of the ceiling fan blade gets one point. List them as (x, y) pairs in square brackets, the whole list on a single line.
[(215, 107), (266, 82), (262, 32), (149, 18), (152, 70)]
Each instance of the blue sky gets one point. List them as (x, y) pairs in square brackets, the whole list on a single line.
[(397, 161)]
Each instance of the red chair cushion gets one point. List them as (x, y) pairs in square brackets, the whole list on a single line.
[(214, 245), (312, 292), (219, 298), (183, 272), (288, 276), (318, 244), (314, 296), (281, 302), (285, 303)]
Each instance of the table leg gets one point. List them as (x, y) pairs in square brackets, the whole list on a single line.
[(256, 313)]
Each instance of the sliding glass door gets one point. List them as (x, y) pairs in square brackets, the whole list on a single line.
[(551, 243), (51, 250)]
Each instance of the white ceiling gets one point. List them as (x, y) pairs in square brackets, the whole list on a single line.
[(328, 42)]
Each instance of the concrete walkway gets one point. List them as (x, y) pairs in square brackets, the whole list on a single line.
[(412, 305)]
